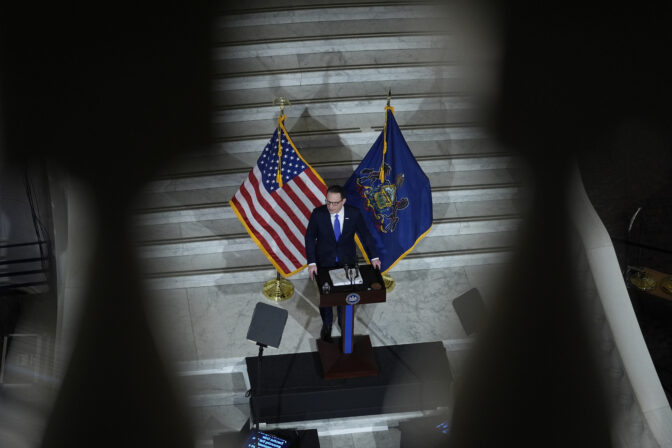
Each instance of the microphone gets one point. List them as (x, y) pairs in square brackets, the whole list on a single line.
[(351, 273)]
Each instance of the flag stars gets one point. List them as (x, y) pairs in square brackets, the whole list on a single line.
[(289, 164)]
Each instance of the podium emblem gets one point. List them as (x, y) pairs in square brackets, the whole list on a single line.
[(352, 299)]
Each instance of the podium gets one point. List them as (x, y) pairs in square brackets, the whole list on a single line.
[(349, 356)]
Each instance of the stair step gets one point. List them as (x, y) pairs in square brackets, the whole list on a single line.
[(390, 41), (352, 13), (241, 241), (220, 222), (255, 274), (221, 188), (339, 82), (242, 254), (426, 153), (324, 76), (260, 6), (342, 88), (329, 62), (336, 27), (215, 389), (356, 107), (430, 166), (460, 138), (214, 208), (352, 425), (355, 121)]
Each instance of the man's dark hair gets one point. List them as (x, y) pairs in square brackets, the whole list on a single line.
[(336, 189)]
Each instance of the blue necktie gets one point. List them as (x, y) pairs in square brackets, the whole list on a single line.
[(337, 227), (337, 230)]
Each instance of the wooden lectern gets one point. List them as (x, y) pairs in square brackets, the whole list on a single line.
[(353, 356)]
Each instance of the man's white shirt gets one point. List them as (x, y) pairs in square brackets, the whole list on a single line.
[(341, 218)]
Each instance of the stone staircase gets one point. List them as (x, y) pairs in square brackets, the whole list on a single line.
[(336, 65)]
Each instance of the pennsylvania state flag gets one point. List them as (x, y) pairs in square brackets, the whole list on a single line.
[(393, 193)]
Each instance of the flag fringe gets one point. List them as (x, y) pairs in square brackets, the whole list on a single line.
[(366, 258), (282, 126)]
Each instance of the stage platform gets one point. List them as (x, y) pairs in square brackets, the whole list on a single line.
[(413, 377)]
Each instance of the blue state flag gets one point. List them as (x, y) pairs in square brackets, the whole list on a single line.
[(393, 193)]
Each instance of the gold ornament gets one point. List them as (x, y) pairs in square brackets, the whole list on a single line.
[(642, 281), (278, 290), (389, 282)]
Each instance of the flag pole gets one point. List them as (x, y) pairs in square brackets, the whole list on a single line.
[(279, 289), (387, 278)]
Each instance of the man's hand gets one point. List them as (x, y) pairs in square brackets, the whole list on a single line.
[(312, 270), (375, 264)]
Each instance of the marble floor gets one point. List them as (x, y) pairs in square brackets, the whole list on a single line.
[(202, 331)]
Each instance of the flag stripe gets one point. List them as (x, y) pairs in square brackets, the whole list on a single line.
[(284, 225), (289, 205), (307, 188), (263, 214), (263, 230), (295, 194), (302, 196), (259, 233), (318, 188)]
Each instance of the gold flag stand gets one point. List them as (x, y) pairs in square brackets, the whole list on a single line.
[(389, 282), (642, 280), (279, 289), (666, 285)]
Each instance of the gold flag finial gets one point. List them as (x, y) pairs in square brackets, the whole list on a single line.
[(282, 102), (389, 97)]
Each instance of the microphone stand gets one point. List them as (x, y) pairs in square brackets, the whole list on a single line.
[(351, 273)]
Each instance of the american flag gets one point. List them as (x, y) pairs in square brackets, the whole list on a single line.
[(274, 213)]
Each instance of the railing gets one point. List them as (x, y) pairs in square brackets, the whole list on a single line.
[(648, 394), (32, 243), (12, 287)]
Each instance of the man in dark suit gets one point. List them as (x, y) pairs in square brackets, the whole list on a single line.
[(330, 243)]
